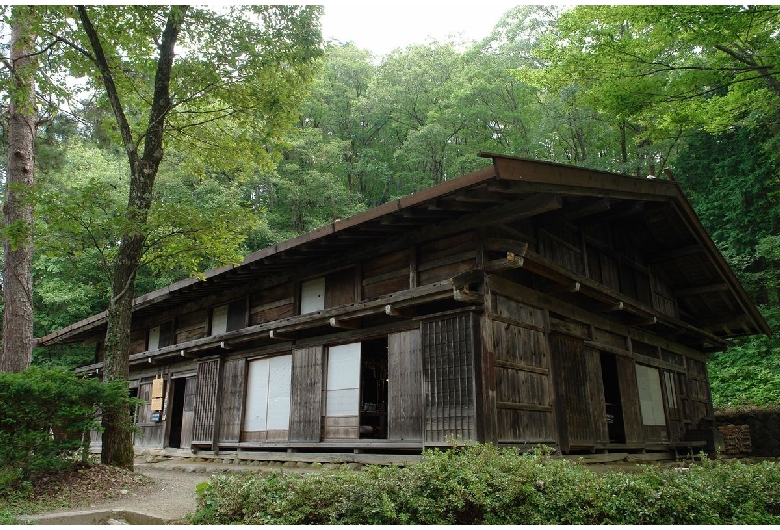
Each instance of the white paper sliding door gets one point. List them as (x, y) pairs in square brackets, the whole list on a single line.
[(342, 392), (267, 414)]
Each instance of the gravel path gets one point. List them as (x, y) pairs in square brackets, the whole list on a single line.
[(171, 496)]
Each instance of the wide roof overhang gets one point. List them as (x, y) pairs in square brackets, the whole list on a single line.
[(672, 238)]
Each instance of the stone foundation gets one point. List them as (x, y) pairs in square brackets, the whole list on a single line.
[(754, 431)]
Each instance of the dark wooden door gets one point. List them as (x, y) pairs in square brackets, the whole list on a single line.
[(572, 393), (306, 395), (405, 400), (205, 411)]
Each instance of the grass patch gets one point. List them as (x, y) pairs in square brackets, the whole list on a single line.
[(481, 484)]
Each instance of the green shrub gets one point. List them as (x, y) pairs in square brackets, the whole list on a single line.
[(481, 484), (45, 420)]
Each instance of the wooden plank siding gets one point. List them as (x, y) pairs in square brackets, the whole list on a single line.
[(448, 379), (306, 394), (385, 274), (444, 258), (137, 340), (699, 398), (191, 326), (405, 382), (231, 400), (576, 421), (151, 434), (205, 410), (560, 243), (340, 288), (272, 304), (522, 373)]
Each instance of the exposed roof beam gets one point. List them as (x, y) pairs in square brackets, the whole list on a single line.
[(670, 255)]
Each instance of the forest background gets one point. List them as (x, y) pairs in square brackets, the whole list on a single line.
[(687, 91)]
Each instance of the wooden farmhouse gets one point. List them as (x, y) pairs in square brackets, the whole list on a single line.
[(526, 303)]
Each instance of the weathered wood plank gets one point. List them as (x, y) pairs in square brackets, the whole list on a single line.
[(206, 402), (232, 400), (629, 397), (405, 403), (306, 398), (448, 374), (188, 415)]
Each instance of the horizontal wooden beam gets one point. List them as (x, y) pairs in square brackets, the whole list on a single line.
[(701, 289), (670, 255)]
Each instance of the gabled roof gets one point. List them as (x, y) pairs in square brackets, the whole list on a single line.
[(667, 230)]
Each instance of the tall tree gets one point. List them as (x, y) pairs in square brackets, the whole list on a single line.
[(248, 64), (17, 209)]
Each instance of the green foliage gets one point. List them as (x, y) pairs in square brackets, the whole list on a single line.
[(46, 414), (749, 372), (480, 484)]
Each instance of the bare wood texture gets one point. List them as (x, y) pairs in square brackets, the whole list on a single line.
[(191, 326), (575, 422), (231, 400), (522, 373), (386, 274), (340, 288), (205, 411), (596, 395), (188, 415), (306, 398), (272, 303), (340, 427), (444, 258), (699, 394), (629, 398), (448, 379), (405, 401)]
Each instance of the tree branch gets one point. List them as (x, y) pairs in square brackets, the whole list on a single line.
[(108, 81)]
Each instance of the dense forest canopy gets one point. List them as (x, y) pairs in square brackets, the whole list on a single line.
[(691, 91)]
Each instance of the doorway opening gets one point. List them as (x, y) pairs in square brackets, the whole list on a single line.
[(610, 380), (176, 414), (373, 389)]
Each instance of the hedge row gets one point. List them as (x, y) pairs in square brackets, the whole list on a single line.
[(45, 415), (481, 484)]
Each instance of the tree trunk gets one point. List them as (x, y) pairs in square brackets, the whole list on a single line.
[(18, 211), (117, 446)]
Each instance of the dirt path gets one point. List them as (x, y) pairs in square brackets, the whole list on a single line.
[(169, 497)]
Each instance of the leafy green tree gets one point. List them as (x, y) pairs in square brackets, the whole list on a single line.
[(188, 77)]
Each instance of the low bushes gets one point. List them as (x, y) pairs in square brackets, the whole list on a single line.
[(44, 414), (481, 484)]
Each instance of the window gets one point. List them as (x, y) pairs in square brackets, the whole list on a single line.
[(160, 336), (219, 318), (228, 317), (335, 289), (268, 394), (650, 398), (313, 295)]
